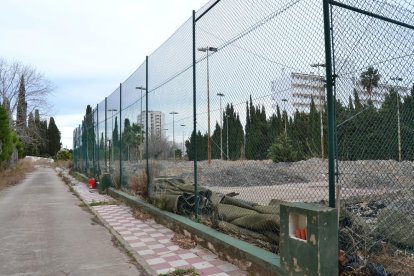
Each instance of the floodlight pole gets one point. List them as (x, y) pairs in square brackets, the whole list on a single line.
[(221, 127), (112, 138), (183, 139), (140, 116), (398, 118), (173, 113), (207, 49)]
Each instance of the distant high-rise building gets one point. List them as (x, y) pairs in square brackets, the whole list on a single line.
[(295, 92), (378, 93), (306, 87), (156, 122)]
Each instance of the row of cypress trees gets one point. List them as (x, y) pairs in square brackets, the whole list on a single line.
[(364, 132)]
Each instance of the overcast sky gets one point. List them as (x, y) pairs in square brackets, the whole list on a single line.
[(86, 48)]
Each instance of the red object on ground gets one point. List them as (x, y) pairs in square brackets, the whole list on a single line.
[(92, 183), (297, 233), (303, 234)]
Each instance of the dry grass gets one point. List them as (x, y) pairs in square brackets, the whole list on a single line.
[(66, 164), (138, 184), (140, 215), (392, 263), (183, 241), (396, 263), (11, 177)]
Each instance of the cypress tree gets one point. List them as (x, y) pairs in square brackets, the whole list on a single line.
[(235, 131), (215, 142), (53, 137), (21, 115), (6, 142)]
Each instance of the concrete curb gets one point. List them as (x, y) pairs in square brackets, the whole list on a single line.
[(141, 261), (245, 255)]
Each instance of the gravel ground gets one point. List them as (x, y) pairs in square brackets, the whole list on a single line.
[(260, 181), (247, 173)]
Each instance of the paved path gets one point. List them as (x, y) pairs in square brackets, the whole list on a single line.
[(44, 231), (152, 241)]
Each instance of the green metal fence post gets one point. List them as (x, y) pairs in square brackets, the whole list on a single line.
[(120, 134), (195, 117), (330, 100), (93, 145), (97, 138), (146, 122), (106, 130)]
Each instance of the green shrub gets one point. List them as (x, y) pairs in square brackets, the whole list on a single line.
[(64, 155), (6, 138), (283, 151), (178, 153)]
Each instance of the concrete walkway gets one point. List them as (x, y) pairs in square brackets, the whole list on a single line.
[(152, 241), (44, 231)]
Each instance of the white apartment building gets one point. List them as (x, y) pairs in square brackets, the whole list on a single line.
[(296, 91), (156, 123)]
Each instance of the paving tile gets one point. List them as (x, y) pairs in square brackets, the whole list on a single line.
[(188, 256), (156, 246), (145, 252), (178, 263), (172, 257), (227, 267), (156, 261), (209, 257), (152, 241), (202, 265), (209, 270)]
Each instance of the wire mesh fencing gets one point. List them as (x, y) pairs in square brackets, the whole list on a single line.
[(373, 59), (229, 117)]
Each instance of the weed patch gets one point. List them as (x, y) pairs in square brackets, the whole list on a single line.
[(182, 272), (140, 214), (99, 203), (183, 241), (10, 177)]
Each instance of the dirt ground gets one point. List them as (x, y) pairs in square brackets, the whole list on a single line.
[(261, 181)]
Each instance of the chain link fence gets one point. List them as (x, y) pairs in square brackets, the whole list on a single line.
[(247, 127), (373, 57)]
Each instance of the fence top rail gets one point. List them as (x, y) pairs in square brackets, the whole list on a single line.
[(377, 16)]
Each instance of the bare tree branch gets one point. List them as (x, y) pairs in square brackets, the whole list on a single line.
[(38, 88)]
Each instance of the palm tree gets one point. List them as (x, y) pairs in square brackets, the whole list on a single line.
[(370, 79)]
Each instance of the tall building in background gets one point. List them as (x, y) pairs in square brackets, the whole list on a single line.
[(156, 123), (379, 93), (295, 91), (304, 88)]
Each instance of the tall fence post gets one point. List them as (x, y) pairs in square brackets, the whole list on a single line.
[(120, 135), (195, 117), (97, 139), (106, 137), (146, 122), (330, 100), (85, 145), (93, 139)]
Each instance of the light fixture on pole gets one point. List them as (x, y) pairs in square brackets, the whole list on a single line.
[(206, 50), (183, 140), (321, 89), (221, 127), (112, 119), (173, 113), (398, 118), (284, 105), (140, 116)]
